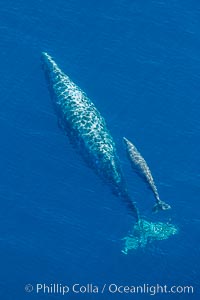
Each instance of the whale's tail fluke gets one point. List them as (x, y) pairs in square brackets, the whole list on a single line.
[(160, 205), (145, 232)]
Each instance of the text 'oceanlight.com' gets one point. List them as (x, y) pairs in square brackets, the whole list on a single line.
[(111, 288)]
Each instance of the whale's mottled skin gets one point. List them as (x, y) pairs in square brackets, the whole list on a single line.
[(86, 129), (138, 161)]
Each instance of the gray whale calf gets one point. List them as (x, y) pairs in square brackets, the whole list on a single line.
[(138, 161), (86, 128)]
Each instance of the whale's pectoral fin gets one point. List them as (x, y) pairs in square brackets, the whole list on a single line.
[(161, 205)]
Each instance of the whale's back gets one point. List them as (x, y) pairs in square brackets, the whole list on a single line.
[(84, 125)]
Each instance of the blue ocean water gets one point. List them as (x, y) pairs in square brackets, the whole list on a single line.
[(139, 62)]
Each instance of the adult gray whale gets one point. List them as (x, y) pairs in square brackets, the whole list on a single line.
[(86, 129), (138, 161)]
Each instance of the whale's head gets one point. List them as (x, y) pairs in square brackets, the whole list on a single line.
[(48, 63), (51, 69)]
